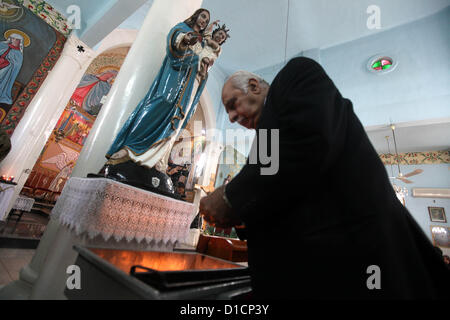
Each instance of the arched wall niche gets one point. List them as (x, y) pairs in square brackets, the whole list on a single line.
[(60, 153)]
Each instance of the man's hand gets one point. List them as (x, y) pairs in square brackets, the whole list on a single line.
[(216, 212)]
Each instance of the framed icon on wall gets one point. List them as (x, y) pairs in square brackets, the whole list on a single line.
[(437, 214)]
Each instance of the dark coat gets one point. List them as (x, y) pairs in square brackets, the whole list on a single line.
[(315, 227)]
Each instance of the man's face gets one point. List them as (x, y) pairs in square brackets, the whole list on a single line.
[(243, 108)]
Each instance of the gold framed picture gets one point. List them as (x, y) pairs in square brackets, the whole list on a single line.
[(437, 214), (441, 236)]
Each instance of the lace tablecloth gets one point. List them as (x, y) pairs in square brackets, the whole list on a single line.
[(23, 203), (98, 206)]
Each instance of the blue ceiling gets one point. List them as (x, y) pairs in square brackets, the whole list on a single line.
[(266, 33)]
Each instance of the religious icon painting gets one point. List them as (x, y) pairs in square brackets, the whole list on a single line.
[(29, 48), (441, 236), (11, 11), (437, 214), (73, 126), (72, 129), (57, 155), (2, 114), (91, 91), (11, 61)]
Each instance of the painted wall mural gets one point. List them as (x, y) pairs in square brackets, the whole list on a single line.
[(431, 157), (47, 13), (29, 48), (61, 151)]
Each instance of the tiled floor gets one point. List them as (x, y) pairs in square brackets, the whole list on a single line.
[(11, 261), (31, 225)]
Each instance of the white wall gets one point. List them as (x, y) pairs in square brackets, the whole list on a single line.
[(417, 89)]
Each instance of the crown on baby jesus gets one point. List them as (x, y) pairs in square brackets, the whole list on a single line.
[(224, 29)]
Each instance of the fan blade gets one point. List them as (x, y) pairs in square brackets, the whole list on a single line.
[(404, 180), (413, 173)]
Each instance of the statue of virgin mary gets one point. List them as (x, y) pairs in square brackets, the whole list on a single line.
[(139, 154)]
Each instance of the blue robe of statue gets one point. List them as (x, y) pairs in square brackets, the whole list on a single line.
[(159, 114), (8, 74)]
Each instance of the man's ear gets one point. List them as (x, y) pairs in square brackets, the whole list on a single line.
[(253, 86)]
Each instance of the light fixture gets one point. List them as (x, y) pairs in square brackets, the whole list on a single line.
[(400, 192), (381, 64), (402, 177)]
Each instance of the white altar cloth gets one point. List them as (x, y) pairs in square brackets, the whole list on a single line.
[(98, 206), (23, 203), (6, 194)]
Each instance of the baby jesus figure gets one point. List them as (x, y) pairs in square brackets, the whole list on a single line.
[(212, 47)]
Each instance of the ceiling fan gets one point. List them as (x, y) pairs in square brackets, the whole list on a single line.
[(401, 177)]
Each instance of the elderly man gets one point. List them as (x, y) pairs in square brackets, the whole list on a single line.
[(339, 233)]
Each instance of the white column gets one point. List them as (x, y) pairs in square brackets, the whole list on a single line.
[(43, 113), (30, 137), (55, 252), (133, 81)]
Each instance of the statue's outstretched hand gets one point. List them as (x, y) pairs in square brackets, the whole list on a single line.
[(190, 38)]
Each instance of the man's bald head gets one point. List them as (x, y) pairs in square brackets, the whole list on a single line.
[(240, 80), (243, 96)]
